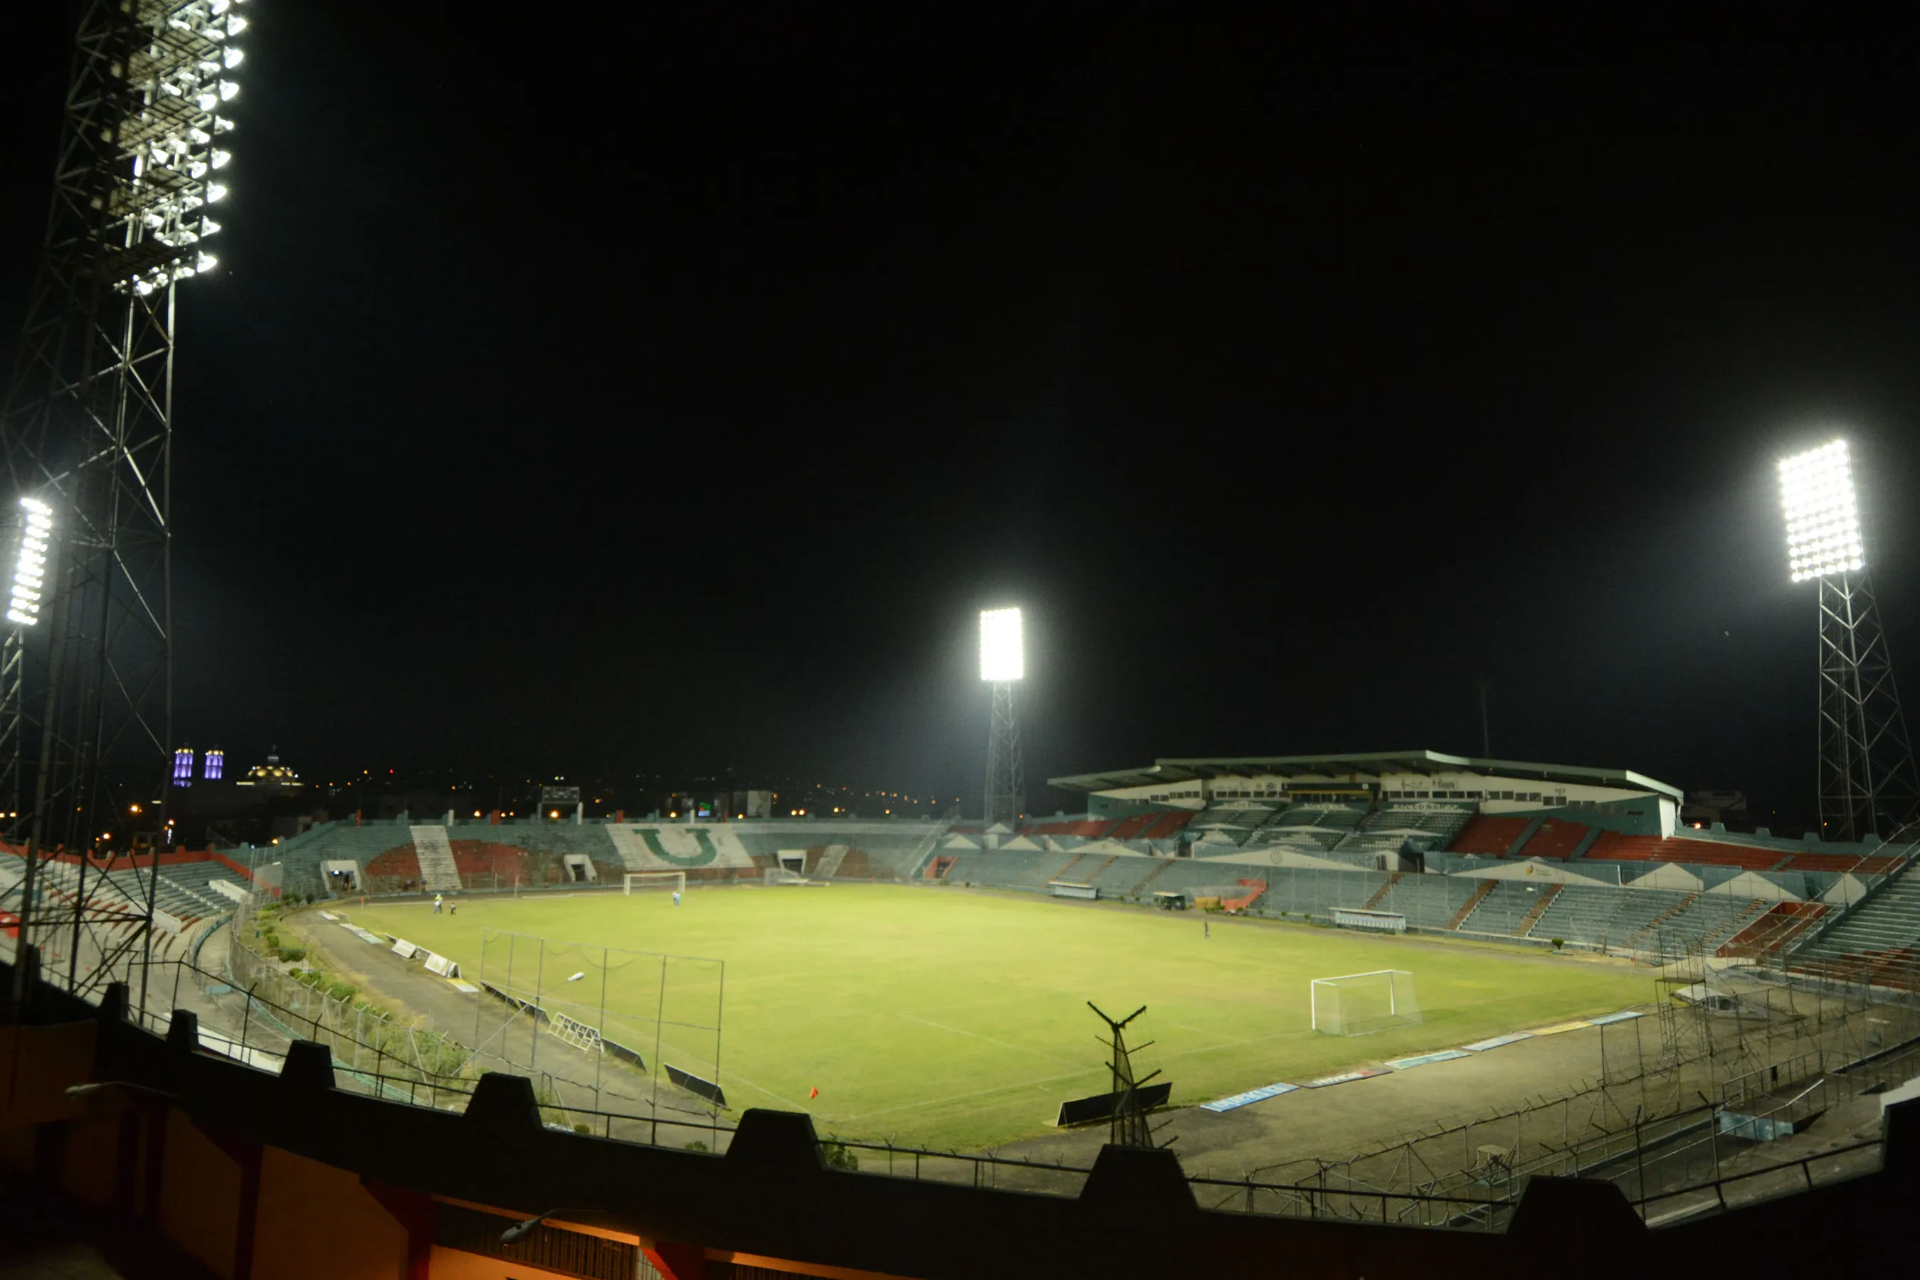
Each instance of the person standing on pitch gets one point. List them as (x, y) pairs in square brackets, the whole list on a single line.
[(1206, 928), (676, 897), (436, 904)]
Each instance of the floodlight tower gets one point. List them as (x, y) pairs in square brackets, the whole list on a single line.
[(86, 429), (1867, 778), (1003, 664)]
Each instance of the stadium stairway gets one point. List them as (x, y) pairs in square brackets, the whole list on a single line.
[(1654, 924), (1547, 895), (438, 870), (1140, 887), (1784, 922), (1885, 923), (1467, 908), (831, 861), (1383, 891)]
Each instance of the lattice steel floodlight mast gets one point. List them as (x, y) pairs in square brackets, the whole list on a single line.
[(1003, 664), (1868, 783), (86, 429)]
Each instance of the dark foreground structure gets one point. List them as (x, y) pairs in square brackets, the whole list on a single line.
[(179, 1161)]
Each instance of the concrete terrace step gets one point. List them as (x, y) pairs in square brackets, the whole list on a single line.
[(437, 868)]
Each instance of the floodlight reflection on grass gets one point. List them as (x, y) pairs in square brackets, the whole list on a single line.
[(1823, 516), (1002, 652)]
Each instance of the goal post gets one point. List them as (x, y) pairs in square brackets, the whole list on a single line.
[(1358, 1004), (656, 881)]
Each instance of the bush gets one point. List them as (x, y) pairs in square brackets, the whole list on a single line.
[(696, 1145), (341, 991), (838, 1157), (291, 953), (1559, 943)]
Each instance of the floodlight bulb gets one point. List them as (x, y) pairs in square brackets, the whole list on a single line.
[(205, 101), (1002, 651), (1822, 513), (220, 158), (229, 91), (236, 24), (215, 191), (233, 58)]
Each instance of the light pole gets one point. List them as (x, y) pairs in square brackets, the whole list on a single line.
[(1002, 664), (1868, 784)]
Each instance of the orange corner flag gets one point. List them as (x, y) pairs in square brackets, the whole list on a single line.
[(813, 1092)]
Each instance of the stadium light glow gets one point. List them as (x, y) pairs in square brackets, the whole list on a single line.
[(30, 566), (1823, 515), (1002, 651)]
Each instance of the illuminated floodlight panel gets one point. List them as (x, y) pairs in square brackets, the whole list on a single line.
[(30, 567), (1002, 653), (1823, 517)]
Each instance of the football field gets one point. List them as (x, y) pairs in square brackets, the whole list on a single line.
[(949, 1018)]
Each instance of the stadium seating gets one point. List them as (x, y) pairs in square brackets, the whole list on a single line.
[(1614, 847), (1774, 930), (1304, 827), (1860, 865), (1428, 902), (401, 863), (1503, 908), (1488, 835), (1387, 830), (1556, 838), (1167, 826), (1881, 933), (1131, 827), (1086, 828)]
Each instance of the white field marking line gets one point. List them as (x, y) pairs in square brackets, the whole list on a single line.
[(977, 1036), (797, 1106), (977, 1093), (1229, 1040)]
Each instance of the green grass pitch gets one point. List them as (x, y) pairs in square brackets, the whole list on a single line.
[(949, 1018)]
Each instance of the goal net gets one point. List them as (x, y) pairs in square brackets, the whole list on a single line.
[(1358, 1004), (780, 875), (656, 881)]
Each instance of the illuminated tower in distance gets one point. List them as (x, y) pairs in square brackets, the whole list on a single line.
[(1003, 664), (1868, 784)]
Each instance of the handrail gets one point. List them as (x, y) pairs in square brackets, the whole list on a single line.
[(1719, 1185)]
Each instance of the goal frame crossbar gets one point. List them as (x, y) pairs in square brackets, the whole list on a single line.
[(674, 880), (1393, 980)]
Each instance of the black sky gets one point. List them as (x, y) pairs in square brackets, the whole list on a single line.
[(667, 398)]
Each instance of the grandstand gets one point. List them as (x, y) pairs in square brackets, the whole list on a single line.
[(1486, 848)]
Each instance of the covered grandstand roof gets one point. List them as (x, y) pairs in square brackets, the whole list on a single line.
[(1338, 766)]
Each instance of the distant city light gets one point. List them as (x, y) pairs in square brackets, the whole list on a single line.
[(1002, 653), (30, 567), (183, 767), (1823, 514), (215, 765)]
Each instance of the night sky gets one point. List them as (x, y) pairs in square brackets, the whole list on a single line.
[(667, 399)]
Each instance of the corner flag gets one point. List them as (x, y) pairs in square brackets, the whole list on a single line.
[(814, 1092)]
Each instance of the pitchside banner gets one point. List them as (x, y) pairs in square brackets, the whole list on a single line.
[(677, 846)]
